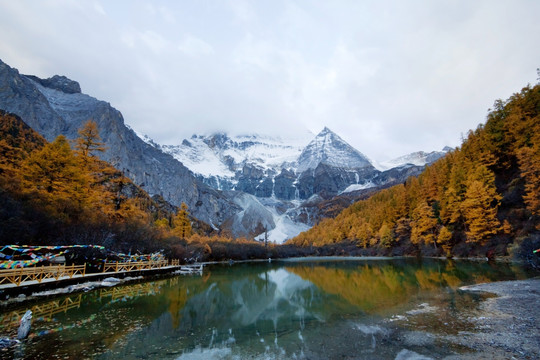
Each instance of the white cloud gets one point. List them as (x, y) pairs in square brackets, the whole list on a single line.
[(154, 41), (194, 46), (99, 8), (390, 77), (243, 10)]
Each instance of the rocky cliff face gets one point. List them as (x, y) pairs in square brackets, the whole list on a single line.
[(56, 106)]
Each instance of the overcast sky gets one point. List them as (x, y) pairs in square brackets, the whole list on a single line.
[(389, 77)]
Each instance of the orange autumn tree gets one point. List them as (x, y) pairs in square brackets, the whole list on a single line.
[(423, 225), (52, 176), (181, 223), (480, 206), (444, 239), (89, 140)]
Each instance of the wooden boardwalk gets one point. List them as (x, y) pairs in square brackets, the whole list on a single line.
[(10, 278)]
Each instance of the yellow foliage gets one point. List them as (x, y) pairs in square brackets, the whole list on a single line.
[(480, 206), (182, 224), (444, 239)]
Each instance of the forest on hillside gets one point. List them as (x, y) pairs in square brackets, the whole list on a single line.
[(52, 193), (61, 193), (482, 199)]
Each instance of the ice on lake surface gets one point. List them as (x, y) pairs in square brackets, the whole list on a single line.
[(324, 309)]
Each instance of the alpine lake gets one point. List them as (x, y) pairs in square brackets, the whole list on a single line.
[(312, 308)]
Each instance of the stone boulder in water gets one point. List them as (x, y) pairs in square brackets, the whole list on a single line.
[(24, 327)]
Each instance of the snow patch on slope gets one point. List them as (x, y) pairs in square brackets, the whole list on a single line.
[(199, 158), (356, 187), (284, 230), (265, 151), (418, 158)]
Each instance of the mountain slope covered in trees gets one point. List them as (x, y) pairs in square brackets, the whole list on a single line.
[(51, 193), (482, 198)]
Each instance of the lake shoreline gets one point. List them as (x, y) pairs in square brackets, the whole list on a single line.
[(506, 326)]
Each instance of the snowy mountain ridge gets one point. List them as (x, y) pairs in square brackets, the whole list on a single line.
[(224, 156), (418, 158)]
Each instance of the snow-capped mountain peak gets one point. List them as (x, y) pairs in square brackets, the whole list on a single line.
[(328, 148)]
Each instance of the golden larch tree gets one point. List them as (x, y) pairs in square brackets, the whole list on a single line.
[(89, 141), (53, 175), (423, 224), (480, 206), (445, 240), (181, 223)]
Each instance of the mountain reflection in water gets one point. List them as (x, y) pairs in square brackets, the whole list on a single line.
[(310, 309)]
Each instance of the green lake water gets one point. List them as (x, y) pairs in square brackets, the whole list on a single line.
[(306, 309)]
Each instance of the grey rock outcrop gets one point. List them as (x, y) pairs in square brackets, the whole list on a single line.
[(58, 82), (284, 185)]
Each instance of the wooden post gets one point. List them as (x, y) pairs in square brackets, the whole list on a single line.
[(20, 277)]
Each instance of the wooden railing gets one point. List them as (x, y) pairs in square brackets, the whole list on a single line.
[(133, 266), (57, 272), (40, 273)]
